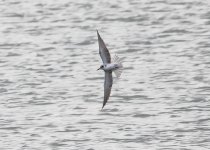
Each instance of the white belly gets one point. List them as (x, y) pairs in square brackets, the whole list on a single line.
[(109, 67)]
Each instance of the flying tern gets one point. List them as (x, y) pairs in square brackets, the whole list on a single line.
[(109, 65)]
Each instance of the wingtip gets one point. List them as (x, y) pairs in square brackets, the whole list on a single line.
[(99, 37), (103, 106)]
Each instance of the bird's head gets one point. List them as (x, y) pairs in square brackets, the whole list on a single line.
[(101, 67)]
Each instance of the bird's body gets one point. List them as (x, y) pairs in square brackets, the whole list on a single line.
[(108, 67), (111, 67)]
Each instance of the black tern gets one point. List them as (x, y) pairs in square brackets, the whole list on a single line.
[(108, 66)]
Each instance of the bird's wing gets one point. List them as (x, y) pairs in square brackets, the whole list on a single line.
[(107, 86), (103, 51)]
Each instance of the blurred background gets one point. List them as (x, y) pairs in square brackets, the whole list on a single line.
[(51, 94)]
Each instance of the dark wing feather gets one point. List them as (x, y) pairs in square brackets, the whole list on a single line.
[(103, 51), (107, 86)]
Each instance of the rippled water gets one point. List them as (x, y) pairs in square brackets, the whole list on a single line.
[(51, 94)]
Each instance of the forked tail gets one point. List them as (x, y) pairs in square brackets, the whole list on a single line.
[(118, 61)]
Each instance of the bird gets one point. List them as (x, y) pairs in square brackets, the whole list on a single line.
[(109, 65)]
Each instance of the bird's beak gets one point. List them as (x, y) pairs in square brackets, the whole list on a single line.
[(99, 68)]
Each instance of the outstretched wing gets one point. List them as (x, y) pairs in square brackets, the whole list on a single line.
[(107, 86), (103, 51)]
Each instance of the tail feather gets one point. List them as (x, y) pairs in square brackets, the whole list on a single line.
[(118, 61), (118, 73)]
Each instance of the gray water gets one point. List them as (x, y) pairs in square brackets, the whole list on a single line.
[(51, 94)]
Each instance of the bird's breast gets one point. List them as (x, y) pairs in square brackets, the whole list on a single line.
[(110, 67)]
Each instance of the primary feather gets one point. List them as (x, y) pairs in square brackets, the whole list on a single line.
[(103, 51), (107, 86)]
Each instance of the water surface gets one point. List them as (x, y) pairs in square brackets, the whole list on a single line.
[(51, 94)]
